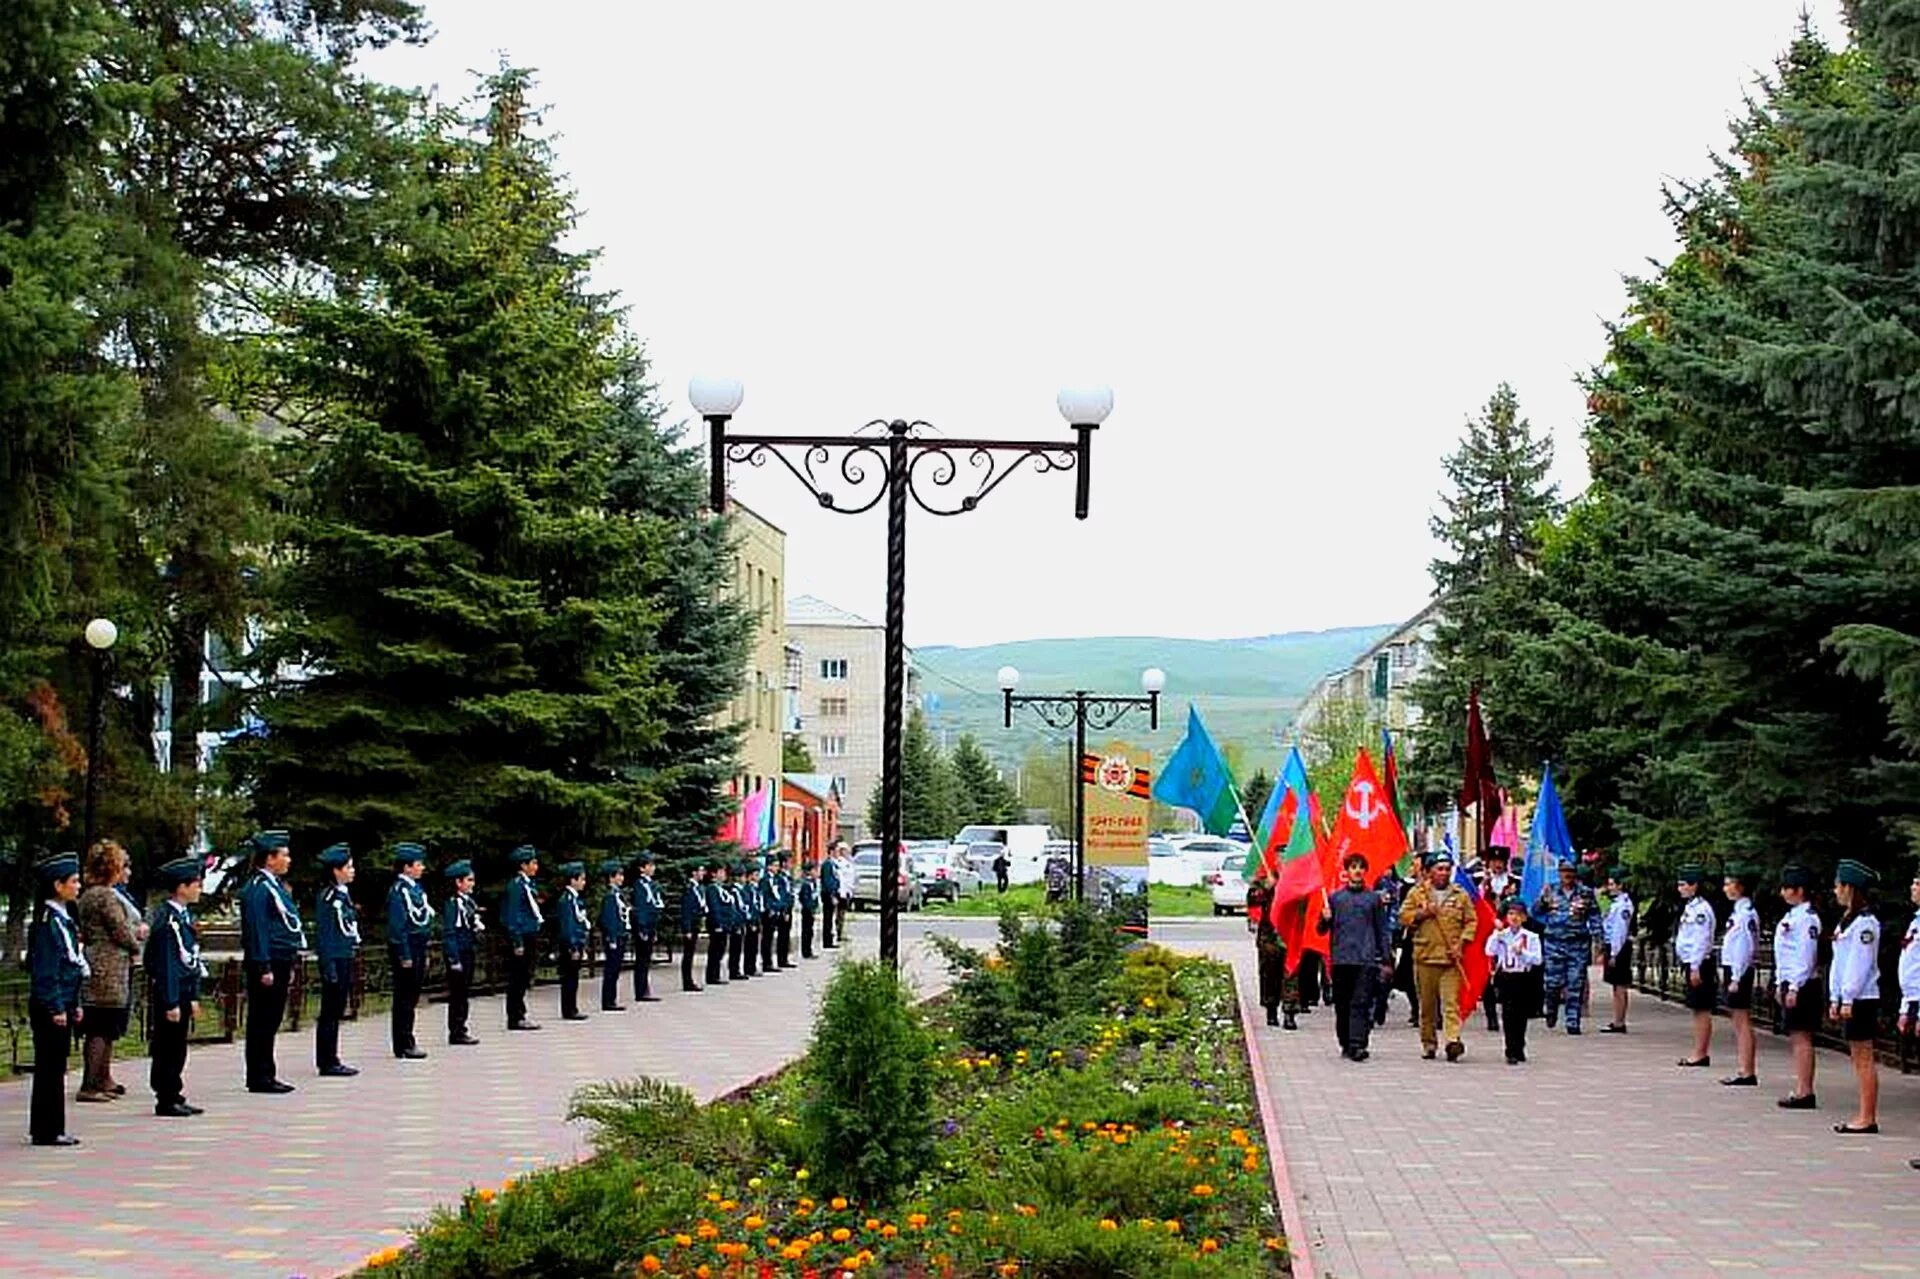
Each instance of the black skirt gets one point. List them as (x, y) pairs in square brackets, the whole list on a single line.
[(1809, 1007), (1740, 993), (103, 1021), (1864, 1024), (1618, 970), (1702, 998)]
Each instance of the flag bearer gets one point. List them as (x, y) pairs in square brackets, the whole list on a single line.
[(460, 929), (573, 939), (616, 927), (174, 969), (693, 914), (1617, 932), (336, 938), (648, 906), (1693, 946), (56, 967), (1854, 1000), (1270, 953), (1516, 953), (747, 893), (1572, 918), (1439, 915), (1798, 994), (809, 905), (521, 918), (272, 937), (1737, 946), (409, 926)]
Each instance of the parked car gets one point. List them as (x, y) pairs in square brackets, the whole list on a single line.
[(1024, 844), (866, 877), (943, 874), (1166, 866), (1207, 852), (1228, 888)]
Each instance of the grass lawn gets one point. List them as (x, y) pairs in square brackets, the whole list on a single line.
[(1162, 899)]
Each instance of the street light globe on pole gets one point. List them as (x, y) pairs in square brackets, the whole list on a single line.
[(715, 396), (101, 633), (1085, 405), (1009, 679), (1153, 680)]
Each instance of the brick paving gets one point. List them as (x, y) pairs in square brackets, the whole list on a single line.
[(311, 1182), (1597, 1157)]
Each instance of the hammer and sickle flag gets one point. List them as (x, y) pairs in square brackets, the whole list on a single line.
[(1366, 824)]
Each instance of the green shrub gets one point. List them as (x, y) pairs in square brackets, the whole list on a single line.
[(869, 1084)]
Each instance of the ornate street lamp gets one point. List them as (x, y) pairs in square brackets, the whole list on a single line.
[(896, 460), (1079, 709), (100, 635)]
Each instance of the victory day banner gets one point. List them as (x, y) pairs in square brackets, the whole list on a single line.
[(1117, 781)]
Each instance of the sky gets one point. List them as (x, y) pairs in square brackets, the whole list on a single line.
[(1303, 243)]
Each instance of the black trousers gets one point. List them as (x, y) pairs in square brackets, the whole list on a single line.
[(266, 1005), (828, 907), (47, 1117), (642, 965), (688, 945), (783, 940), (1519, 995), (569, 983), (750, 947), (336, 980), (716, 955), (519, 979), (612, 960), (409, 977), (806, 933), (459, 987), (1382, 993), (1353, 1004), (769, 930), (167, 1055), (733, 954)]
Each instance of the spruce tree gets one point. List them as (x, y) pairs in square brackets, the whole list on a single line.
[(926, 787), (979, 794)]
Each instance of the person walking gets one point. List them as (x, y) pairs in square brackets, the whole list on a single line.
[(336, 939), (522, 920), (409, 928), (1572, 919), (693, 915), (172, 963), (1616, 933), (1737, 947), (1799, 999), (1362, 950), (1693, 946), (1390, 889), (829, 895), (616, 926), (1439, 914), (460, 930), (573, 940), (1002, 868), (1517, 954), (1854, 997), (648, 906), (809, 905), (1498, 886), (271, 938), (56, 967), (1269, 954), (111, 933)]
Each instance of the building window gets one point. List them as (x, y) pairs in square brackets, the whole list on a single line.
[(840, 783), (833, 668), (833, 745), (833, 708)]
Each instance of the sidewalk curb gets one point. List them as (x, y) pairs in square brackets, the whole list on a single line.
[(1299, 1248)]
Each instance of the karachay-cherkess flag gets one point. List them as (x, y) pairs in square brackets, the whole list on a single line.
[(1196, 777), (1276, 821)]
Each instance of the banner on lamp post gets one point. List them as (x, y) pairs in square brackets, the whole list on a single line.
[(1117, 780)]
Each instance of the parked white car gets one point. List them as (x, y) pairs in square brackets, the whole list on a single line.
[(1228, 888), (866, 877), (1166, 866), (944, 875), (1208, 852)]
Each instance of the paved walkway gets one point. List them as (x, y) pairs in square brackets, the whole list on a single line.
[(1597, 1157), (310, 1183)]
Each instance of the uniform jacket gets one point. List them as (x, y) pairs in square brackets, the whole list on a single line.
[(460, 927), (520, 911), (172, 957), (55, 959), (107, 933), (747, 902), (1855, 974), (270, 927), (573, 920), (616, 917), (1358, 932), (1564, 926), (336, 924), (1741, 939), (693, 906), (648, 905), (1693, 940), (1796, 947), (409, 916), (720, 916), (1440, 939), (809, 894), (830, 876)]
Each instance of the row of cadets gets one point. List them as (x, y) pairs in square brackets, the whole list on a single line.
[(56, 967), (271, 937), (174, 971)]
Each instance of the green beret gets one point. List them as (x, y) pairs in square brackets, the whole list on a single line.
[(407, 854), (1690, 873), (266, 841), (1435, 857), (1516, 902), (645, 858), (1795, 876), (182, 870), (715, 865), (1617, 873), (1855, 874), (524, 854), (570, 869), (609, 869), (458, 870), (51, 870), (1746, 872), (336, 856)]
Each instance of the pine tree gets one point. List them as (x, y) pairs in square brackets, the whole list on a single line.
[(476, 634), (979, 794), (926, 787), (794, 755), (1253, 795)]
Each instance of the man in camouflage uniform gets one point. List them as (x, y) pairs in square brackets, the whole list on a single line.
[(1571, 914)]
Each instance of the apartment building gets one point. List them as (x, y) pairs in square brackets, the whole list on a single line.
[(842, 693), (760, 560)]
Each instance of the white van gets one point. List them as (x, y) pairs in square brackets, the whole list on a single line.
[(1026, 849)]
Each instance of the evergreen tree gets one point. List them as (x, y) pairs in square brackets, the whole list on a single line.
[(979, 794), (474, 631), (794, 755), (1253, 795), (926, 787)]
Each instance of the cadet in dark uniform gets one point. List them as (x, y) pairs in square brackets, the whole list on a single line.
[(648, 906), (616, 926), (809, 906), (409, 928), (174, 969), (719, 921), (336, 936), (53, 1001), (520, 916), (829, 896), (460, 929), (783, 942), (272, 938), (769, 913), (693, 910), (574, 939), (747, 894)]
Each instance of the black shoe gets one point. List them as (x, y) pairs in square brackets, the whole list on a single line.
[(1806, 1101), (1573, 1030), (1866, 1130), (573, 1017), (411, 1054), (1288, 1023), (338, 1071), (62, 1140), (1414, 1020), (1428, 1054), (1456, 1050), (192, 1109), (1273, 1018), (1611, 1029), (1914, 1164), (691, 989), (271, 1086), (1741, 1081), (1694, 1061), (464, 1041), (650, 999), (613, 1008), (1359, 1054), (1513, 1061), (174, 1110), (118, 1090), (526, 1025)]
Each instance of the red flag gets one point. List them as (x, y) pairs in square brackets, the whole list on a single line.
[(1478, 786), (1475, 967), (1298, 923), (1365, 824)]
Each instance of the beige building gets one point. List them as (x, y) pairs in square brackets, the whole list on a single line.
[(1381, 678), (760, 560), (842, 690)]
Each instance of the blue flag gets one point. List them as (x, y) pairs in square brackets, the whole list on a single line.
[(1548, 842), (1196, 777)]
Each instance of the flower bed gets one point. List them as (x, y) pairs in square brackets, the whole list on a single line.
[(1109, 1130)]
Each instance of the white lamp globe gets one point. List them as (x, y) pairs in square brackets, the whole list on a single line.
[(716, 396), (1009, 679), (101, 633), (1153, 679), (1085, 405)]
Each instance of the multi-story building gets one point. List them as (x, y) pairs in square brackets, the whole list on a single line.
[(760, 561), (842, 694), (1381, 678)]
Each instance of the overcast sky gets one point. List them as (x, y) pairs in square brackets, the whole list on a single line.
[(1301, 242)]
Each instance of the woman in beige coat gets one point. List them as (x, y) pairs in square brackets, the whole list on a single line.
[(111, 932)]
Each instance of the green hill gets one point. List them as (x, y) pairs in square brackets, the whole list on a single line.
[(1246, 689)]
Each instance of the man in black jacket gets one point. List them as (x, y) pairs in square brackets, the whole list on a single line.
[(1356, 918)]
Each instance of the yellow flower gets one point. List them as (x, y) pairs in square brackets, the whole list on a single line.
[(1108, 1223), (889, 1230), (683, 1241), (837, 1203), (1209, 1245), (706, 1230), (841, 1234), (485, 1194), (713, 1196), (806, 1203), (1173, 1226), (954, 1214), (754, 1221), (801, 1175), (728, 1205), (1203, 1191), (385, 1257), (731, 1250), (650, 1264), (754, 1183), (1238, 1136)]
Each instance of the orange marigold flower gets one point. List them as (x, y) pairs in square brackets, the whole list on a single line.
[(841, 1234), (650, 1265), (954, 1214), (728, 1205), (1203, 1190), (1238, 1136), (704, 1271), (683, 1241), (889, 1230), (754, 1221), (706, 1230), (1108, 1223), (838, 1203), (1173, 1226), (485, 1194), (1209, 1245), (916, 1219), (872, 1223), (1009, 1267), (805, 1202), (731, 1250)]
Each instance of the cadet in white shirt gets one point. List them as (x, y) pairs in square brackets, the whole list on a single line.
[(1693, 944), (1910, 969), (1517, 953), (1855, 981), (1798, 994), (1617, 932), (1737, 946)]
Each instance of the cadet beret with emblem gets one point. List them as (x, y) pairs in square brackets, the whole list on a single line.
[(51, 870), (266, 841), (1516, 903), (405, 855), (1746, 872), (1795, 876), (643, 858), (524, 854), (1617, 873), (611, 868), (336, 856), (458, 870), (1855, 874), (570, 869), (1690, 873), (1435, 857), (182, 870)]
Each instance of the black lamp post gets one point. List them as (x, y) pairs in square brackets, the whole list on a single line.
[(896, 460), (100, 635), (1079, 709)]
